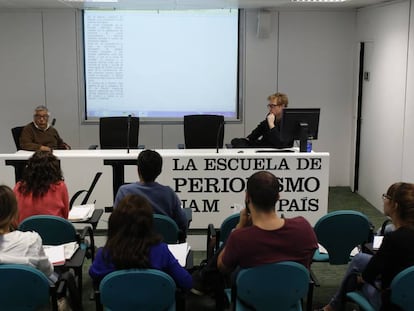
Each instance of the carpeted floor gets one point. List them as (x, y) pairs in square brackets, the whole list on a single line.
[(328, 276)]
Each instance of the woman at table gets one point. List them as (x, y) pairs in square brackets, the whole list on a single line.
[(17, 247), (42, 190), (132, 243), (374, 273)]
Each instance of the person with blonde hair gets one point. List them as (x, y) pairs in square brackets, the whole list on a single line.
[(374, 273), (267, 133)]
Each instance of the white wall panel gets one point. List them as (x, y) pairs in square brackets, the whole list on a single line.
[(386, 29), (21, 71), (316, 54)]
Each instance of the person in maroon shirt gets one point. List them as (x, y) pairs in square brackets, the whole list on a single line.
[(261, 236)]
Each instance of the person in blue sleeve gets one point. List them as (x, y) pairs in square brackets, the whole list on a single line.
[(162, 198), (132, 243)]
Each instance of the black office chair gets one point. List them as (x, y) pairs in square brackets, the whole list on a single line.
[(113, 132), (203, 131), (16, 132)]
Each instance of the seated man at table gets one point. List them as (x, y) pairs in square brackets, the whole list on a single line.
[(39, 134), (267, 133), (162, 198)]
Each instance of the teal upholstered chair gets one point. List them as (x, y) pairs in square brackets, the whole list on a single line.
[(339, 233), (278, 286), (56, 230), (24, 288), (131, 290), (401, 292), (219, 236), (167, 228)]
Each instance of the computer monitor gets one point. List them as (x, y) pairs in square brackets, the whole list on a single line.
[(300, 124)]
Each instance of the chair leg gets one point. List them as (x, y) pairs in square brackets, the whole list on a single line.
[(53, 297), (309, 298), (313, 282), (98, 304)]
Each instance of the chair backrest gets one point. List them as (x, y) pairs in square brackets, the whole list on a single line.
[(227, 226), (22, 288), (53, 230), (144, 289), (113, 132), (402, 289), (16, 132), (278, 286), (203, 131), (340, 232), (167, 227)]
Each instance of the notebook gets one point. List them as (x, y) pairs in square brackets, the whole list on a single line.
[(81, 212), (377, 241), (323, 250), (180, 252), (58, 254)]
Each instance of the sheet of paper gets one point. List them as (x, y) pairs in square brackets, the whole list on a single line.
[(377, 241), (323, 250), (70, 249), (81, 212), (56, 254), (180, 252)]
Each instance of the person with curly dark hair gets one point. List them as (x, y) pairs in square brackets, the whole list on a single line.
[(42, 190), (133, 244)]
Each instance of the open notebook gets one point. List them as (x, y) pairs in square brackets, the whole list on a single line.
[(81, 212), (323, 250), (377, 241), (180, 252), (58, 254)]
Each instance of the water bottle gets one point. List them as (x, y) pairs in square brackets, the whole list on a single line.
[(309, 145)]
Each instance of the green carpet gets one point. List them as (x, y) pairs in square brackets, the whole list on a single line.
[(329, 277)]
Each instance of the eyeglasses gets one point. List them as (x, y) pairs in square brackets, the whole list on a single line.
[(41, 116), (386, 196), (273, 105)]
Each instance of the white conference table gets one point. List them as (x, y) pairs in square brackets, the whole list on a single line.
[(212, 184)]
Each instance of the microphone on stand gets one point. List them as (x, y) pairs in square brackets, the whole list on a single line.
[(128, 132), (53, 121), (219, 133)]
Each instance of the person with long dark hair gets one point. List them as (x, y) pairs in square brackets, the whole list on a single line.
[(17, 247), (133, 244), (374, 273), (42, 190)]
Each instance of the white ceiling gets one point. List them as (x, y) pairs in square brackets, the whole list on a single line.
[(184, 4)]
